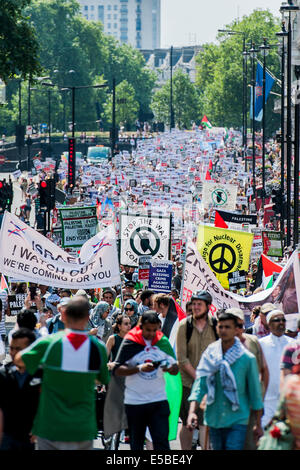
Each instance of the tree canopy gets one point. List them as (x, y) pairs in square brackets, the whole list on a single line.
[(220, 70)]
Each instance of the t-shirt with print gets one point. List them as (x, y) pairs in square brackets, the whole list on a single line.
[(146, 387), (72, 361)]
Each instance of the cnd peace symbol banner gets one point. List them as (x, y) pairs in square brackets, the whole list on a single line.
[(225, 251), (142, 235), (219, 196)]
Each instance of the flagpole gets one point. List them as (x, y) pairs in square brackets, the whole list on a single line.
[(252, 54), (264, 49)]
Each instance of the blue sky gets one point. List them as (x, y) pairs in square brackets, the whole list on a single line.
[(189, 22)]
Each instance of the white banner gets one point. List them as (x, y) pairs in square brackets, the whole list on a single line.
[(219, 196), (285, 293), (142, 235), (29, 256)]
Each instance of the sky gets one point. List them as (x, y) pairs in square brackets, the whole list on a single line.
[(190, 22)]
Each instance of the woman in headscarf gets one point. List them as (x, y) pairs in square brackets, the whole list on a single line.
[(99, 320), (131, 310)]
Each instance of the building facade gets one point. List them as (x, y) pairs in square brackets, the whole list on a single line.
[(134, 22)]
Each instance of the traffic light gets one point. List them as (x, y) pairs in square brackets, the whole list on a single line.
[(47, 193), (278, 201), (6, 196)]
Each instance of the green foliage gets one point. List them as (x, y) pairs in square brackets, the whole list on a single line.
[(220, 71), (185, 101), (127, 106), (76, 52), (18, 43)]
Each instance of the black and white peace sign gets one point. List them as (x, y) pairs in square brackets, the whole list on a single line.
[(219, 197), (145, 241), (222, 258)]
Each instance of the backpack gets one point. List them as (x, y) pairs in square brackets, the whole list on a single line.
[(189, 328)]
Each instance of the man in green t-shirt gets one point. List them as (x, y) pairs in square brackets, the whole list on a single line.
[(72, 362)]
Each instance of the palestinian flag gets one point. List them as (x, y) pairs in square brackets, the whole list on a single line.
[(4, 284), (266, 272), (174, 316), (205, 122), (134, 345), (219, 221)]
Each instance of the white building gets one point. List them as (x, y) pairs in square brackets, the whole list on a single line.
[(135, 22)]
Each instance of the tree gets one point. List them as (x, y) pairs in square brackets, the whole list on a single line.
[(127, 106), (19, 46), (220, 71), (185, 101)]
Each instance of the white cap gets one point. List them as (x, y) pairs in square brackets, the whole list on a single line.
[(237, 312), (273, 313)]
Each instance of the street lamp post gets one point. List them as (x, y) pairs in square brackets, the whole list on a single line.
[(28, 124), (264, 48), (288, 8), (244, 98), (252, 55), (172, 121), (113, 131), (282, 34), (296, 159)]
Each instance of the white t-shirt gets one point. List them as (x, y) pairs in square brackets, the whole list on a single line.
[(146, 387)]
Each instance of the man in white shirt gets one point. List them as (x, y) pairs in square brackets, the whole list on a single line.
[(273, 346), (143, 357)]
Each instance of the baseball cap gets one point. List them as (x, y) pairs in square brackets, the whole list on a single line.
[(64, 301), (266, 308), (237, 312), (129, 284)]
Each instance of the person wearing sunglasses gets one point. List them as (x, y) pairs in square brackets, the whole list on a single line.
[(120, 328), (273, 346), (131, 310), (251, 343)]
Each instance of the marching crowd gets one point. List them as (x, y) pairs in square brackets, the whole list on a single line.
[(226, 385)]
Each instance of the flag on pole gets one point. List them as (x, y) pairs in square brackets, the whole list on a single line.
[(207, 176), (259, 92), (205, 122)]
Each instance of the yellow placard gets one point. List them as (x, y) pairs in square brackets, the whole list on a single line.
[(225, 251)]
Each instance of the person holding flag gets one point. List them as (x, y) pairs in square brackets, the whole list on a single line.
[(143, 358)]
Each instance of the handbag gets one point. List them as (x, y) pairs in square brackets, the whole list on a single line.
[(278, 435)]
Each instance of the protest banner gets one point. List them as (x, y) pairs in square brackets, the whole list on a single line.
[(272, 243), (285, 293), (79, 224), (16, 303), (237, 218), (143, 235), (237, 280), (198, 276), (31, 257), (224, 250), (144, 268), (160, 276), (219, 196)]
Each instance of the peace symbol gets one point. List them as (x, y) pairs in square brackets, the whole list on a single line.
[(222, 258), (144, 240), (219, 197)]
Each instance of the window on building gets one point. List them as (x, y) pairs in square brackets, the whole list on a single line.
[(115, 25), (115, 17), (109, 7), (108, 25), (115, 7), (92, 7), (101, 13), (109, 17), (86, 7)]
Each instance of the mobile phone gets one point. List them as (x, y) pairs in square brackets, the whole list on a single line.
[(156, 364), (32, 290)]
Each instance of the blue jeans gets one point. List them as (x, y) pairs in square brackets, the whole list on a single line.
[(232, 438)]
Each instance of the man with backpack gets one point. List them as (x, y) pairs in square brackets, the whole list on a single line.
[(195, 333)]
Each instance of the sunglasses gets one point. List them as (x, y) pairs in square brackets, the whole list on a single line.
[(128, 309), (278, 320)]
